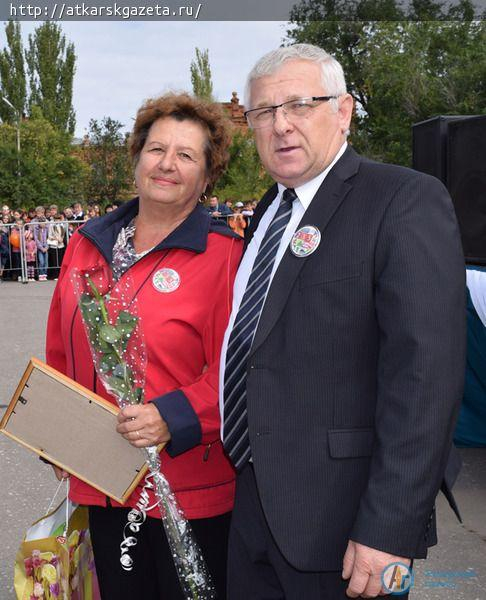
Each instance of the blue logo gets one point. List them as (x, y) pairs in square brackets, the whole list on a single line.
[(397, 578)]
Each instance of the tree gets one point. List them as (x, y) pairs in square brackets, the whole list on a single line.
[(51, 66), (202, 84), (245, 177), (50, 171), (110, 171), (409, 68), (12, 74)]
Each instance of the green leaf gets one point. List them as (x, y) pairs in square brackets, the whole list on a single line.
[(86, 298), (110, 360), (92, 314), (119, 386), (104, 346), (110, 334), (122, 371), (125, 329), (125, 317), (104, 368)]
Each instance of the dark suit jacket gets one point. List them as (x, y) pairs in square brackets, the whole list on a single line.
[(356, 371)]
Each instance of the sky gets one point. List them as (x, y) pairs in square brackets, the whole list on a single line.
[(119, 64)]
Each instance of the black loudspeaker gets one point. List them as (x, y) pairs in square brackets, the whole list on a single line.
[(430, 145), (453, 149), (466, 182)]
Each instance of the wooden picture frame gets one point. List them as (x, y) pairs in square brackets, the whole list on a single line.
[(73, 428)]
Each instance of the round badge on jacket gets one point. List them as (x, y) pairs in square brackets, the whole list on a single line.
[(305, 241), (166, 280)]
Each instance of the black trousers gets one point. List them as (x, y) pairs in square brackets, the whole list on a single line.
[(54, 260), (257, 569), (153, 576)]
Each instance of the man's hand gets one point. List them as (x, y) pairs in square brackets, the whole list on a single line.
[(142, 425), (364, 566)]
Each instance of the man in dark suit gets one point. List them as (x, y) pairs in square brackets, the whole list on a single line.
[(342, 366)]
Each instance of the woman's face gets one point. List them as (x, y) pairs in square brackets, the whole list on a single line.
[(171, 170)]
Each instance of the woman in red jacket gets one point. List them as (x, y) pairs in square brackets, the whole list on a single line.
[(182, 264)]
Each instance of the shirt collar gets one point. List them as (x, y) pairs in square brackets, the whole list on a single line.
[(308, 190)]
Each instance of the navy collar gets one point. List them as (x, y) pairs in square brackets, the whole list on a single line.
[(191, 234)]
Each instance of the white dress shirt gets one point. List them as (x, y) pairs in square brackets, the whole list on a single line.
[(305, 194), (476, 283)]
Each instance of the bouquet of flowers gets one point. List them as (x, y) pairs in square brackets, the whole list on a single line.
[(114, 332)]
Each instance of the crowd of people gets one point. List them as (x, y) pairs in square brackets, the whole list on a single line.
[(46, 231), (237, 214)]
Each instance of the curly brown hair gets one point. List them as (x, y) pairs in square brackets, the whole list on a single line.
[(184, 107)]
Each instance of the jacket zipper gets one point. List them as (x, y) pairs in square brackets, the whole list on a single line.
[(71, 341), (206, 452)]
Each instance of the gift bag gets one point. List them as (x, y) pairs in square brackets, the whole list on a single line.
[(55, 560)]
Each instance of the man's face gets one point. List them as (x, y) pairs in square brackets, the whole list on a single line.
[(296, 152), (213, 201)]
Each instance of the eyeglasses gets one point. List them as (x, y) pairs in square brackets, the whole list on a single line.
[(293, 110)]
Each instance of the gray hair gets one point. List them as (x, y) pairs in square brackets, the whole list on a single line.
[(333, 80)]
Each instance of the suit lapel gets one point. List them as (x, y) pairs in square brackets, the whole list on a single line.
[(329, 196)]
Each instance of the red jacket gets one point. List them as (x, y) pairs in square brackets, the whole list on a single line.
[(183, 332)]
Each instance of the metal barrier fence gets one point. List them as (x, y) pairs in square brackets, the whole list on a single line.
[(15, 253)]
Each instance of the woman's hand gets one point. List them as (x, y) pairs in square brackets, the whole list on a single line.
[(142, 425), (60, 473)]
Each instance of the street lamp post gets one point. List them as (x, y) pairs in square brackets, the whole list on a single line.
[(17, 115)]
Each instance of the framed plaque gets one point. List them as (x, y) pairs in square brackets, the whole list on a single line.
[(73, 428)]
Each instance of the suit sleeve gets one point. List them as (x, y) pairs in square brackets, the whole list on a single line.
[(420, 309), (192, 412)]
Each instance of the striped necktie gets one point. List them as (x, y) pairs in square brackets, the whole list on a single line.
[(235, 421)]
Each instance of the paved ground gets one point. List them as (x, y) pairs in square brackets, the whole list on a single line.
[(455, 570)]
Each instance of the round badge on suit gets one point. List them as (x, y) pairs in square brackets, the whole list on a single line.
[(305, 241)]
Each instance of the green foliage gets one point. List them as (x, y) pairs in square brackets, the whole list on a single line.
[(245, 177), (50, 173), (429, 61), (202, 84), (12, 74), (107, 157), (51, 66)]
